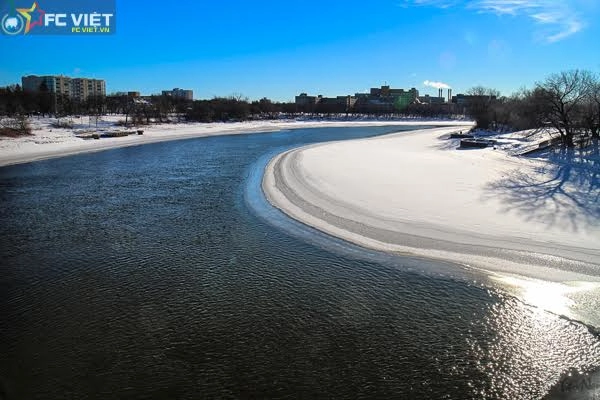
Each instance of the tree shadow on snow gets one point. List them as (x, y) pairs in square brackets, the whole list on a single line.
[(563, 192), (445, 143)]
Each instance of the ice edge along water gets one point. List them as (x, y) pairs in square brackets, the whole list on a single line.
[(357, 191)]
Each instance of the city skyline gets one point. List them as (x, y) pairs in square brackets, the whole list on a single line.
[(337, 48)]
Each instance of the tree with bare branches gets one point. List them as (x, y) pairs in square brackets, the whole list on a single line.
[(594, 100), (563, 95), (480, 105)]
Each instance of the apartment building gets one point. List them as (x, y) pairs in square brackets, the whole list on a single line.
[(82, 88), (304, 99), (179, 93), (74, 88)]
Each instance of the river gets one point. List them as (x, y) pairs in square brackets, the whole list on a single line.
[(160, 272)]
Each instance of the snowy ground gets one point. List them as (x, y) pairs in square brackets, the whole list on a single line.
[(47, 142), (533, 220)]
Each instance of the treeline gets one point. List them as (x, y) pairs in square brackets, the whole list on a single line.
[(162, 108), (219, 109), (15, 101), (568, 101)]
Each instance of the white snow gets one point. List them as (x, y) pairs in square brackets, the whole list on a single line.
[(415, 192)]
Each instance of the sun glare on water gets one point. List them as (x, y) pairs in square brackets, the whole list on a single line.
[(554, 297)]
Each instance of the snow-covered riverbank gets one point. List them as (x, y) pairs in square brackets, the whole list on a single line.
[(48, 142), (415, 192)]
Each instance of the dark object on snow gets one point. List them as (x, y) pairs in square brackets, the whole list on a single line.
[(140, 132), (460, 136), (476, 143), (114, 134)]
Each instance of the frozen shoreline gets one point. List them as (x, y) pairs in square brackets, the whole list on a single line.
[(412, 193), (47, 142)]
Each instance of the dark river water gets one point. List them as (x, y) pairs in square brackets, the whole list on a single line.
[(159, 272)]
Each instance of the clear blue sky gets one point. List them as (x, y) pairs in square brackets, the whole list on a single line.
[(329, 47)]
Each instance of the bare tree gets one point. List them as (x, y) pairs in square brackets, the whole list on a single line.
[(594, 100), (563, 95), (480, 105), (525, 109)]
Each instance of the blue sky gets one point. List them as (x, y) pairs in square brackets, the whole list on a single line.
[(329, 47)]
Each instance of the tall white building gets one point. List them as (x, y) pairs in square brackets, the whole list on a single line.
[(75, 88), (82, 88)]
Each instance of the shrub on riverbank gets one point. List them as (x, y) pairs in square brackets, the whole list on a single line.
[(15, 127)]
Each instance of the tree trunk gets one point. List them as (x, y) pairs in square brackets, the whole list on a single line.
[(568, 139)]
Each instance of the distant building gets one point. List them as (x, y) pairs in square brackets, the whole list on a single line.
[(463, 99), (377, 100), (304, 99), (128, 94), (60, 85), (459, 99), (179, 93), (427, 99), (74, 88), (346, 101), (386, 99), (82, 88), (306, 103), (385, 92)]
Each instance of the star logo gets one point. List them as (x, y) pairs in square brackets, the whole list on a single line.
[(34, 16)]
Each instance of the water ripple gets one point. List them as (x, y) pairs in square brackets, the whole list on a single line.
[(153, 272)]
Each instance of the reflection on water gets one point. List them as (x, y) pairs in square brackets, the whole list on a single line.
[(143, 273), (555, 297), (524, 339)]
